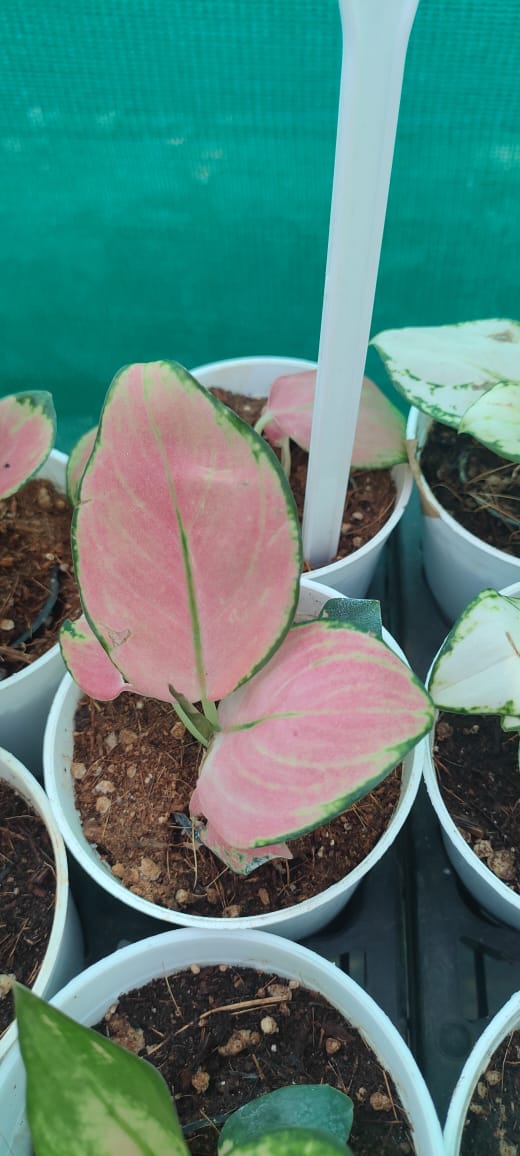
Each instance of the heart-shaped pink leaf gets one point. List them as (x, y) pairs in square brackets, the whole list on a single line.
[(186, 538), (27, 433), (88, 662), (77, 462), (319, 726), (380, 431)]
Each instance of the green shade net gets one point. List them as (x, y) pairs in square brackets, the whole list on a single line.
[(166, 170)]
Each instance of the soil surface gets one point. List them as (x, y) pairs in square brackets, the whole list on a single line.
[(27, 893), (492, 1126), (370, 497), (135, 767), (478, 488), (477, 770), (224, 1035), (37, 585)]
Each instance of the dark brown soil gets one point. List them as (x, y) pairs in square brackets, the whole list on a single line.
[(370, 497), (477, 770), (478, 488), (135, 767), (27, 893), (492, 1126), (34, 553), (215, 1057)]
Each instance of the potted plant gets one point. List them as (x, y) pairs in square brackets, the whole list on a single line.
[(475, 674), (287, 385), (170, 954), (28, 683), (463, 380), (201, 613), (62, 956), (483, 1108)]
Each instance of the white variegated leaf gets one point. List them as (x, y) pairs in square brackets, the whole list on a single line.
[(478, 668)]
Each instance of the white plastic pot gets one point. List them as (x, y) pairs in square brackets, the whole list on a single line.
[(64, 955), (25, 698), (506, 1020), (87, 998), (253, 377), (296, 922), (488, 890), (457, 564)]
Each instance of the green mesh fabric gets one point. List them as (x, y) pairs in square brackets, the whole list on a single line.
[(165, 180)]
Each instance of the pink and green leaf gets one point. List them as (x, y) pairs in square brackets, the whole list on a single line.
[(380, 431), (477, 670), (186, 539), (445, 369), (27, 433), (87, 1096), (88, 662), (241, 860), (77, 463), (328, 717)]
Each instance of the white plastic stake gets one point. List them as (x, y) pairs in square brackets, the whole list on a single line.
[(375, 39)]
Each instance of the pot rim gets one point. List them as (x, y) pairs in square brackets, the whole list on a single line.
[(417, 428)]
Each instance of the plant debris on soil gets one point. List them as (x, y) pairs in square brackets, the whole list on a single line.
[(492, 1124), (37, 585), (135, 767), (477, 770), (224, 1035), (27, 893), (478, 488), (370, 497)]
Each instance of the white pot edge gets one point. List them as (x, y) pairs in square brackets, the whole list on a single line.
[(506, 1020), (416, 429), (64, 953), (33, 687), (138, 963), (494, 895), (350, 575), (296, 922)]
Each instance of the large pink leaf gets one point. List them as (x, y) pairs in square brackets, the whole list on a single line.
[(77, 462), (381, 427), (186, 538), (88, 663), (320, 725), (27, 432)]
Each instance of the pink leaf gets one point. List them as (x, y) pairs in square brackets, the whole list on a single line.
[(77, 462), (318, 727), (27, 432), (380, 432), (88, 663), (186, 538), (241, 860)]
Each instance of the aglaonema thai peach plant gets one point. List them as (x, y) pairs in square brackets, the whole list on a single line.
[(27, 434), (87, 1096), (188, 556), (465, 376), (477, 670), (380, 429)]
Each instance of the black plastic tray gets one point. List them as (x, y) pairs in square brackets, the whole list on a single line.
[(411, 935)]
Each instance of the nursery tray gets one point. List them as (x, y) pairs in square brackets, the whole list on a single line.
[(411, 935)]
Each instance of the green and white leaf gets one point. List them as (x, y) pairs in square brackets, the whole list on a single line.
[(289, 1142), (361, 613), (477, 671), (444, 369), (494, 420), (317, 1107), (85, 1095)]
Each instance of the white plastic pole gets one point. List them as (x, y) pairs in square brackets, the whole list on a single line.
[(375, 39)]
